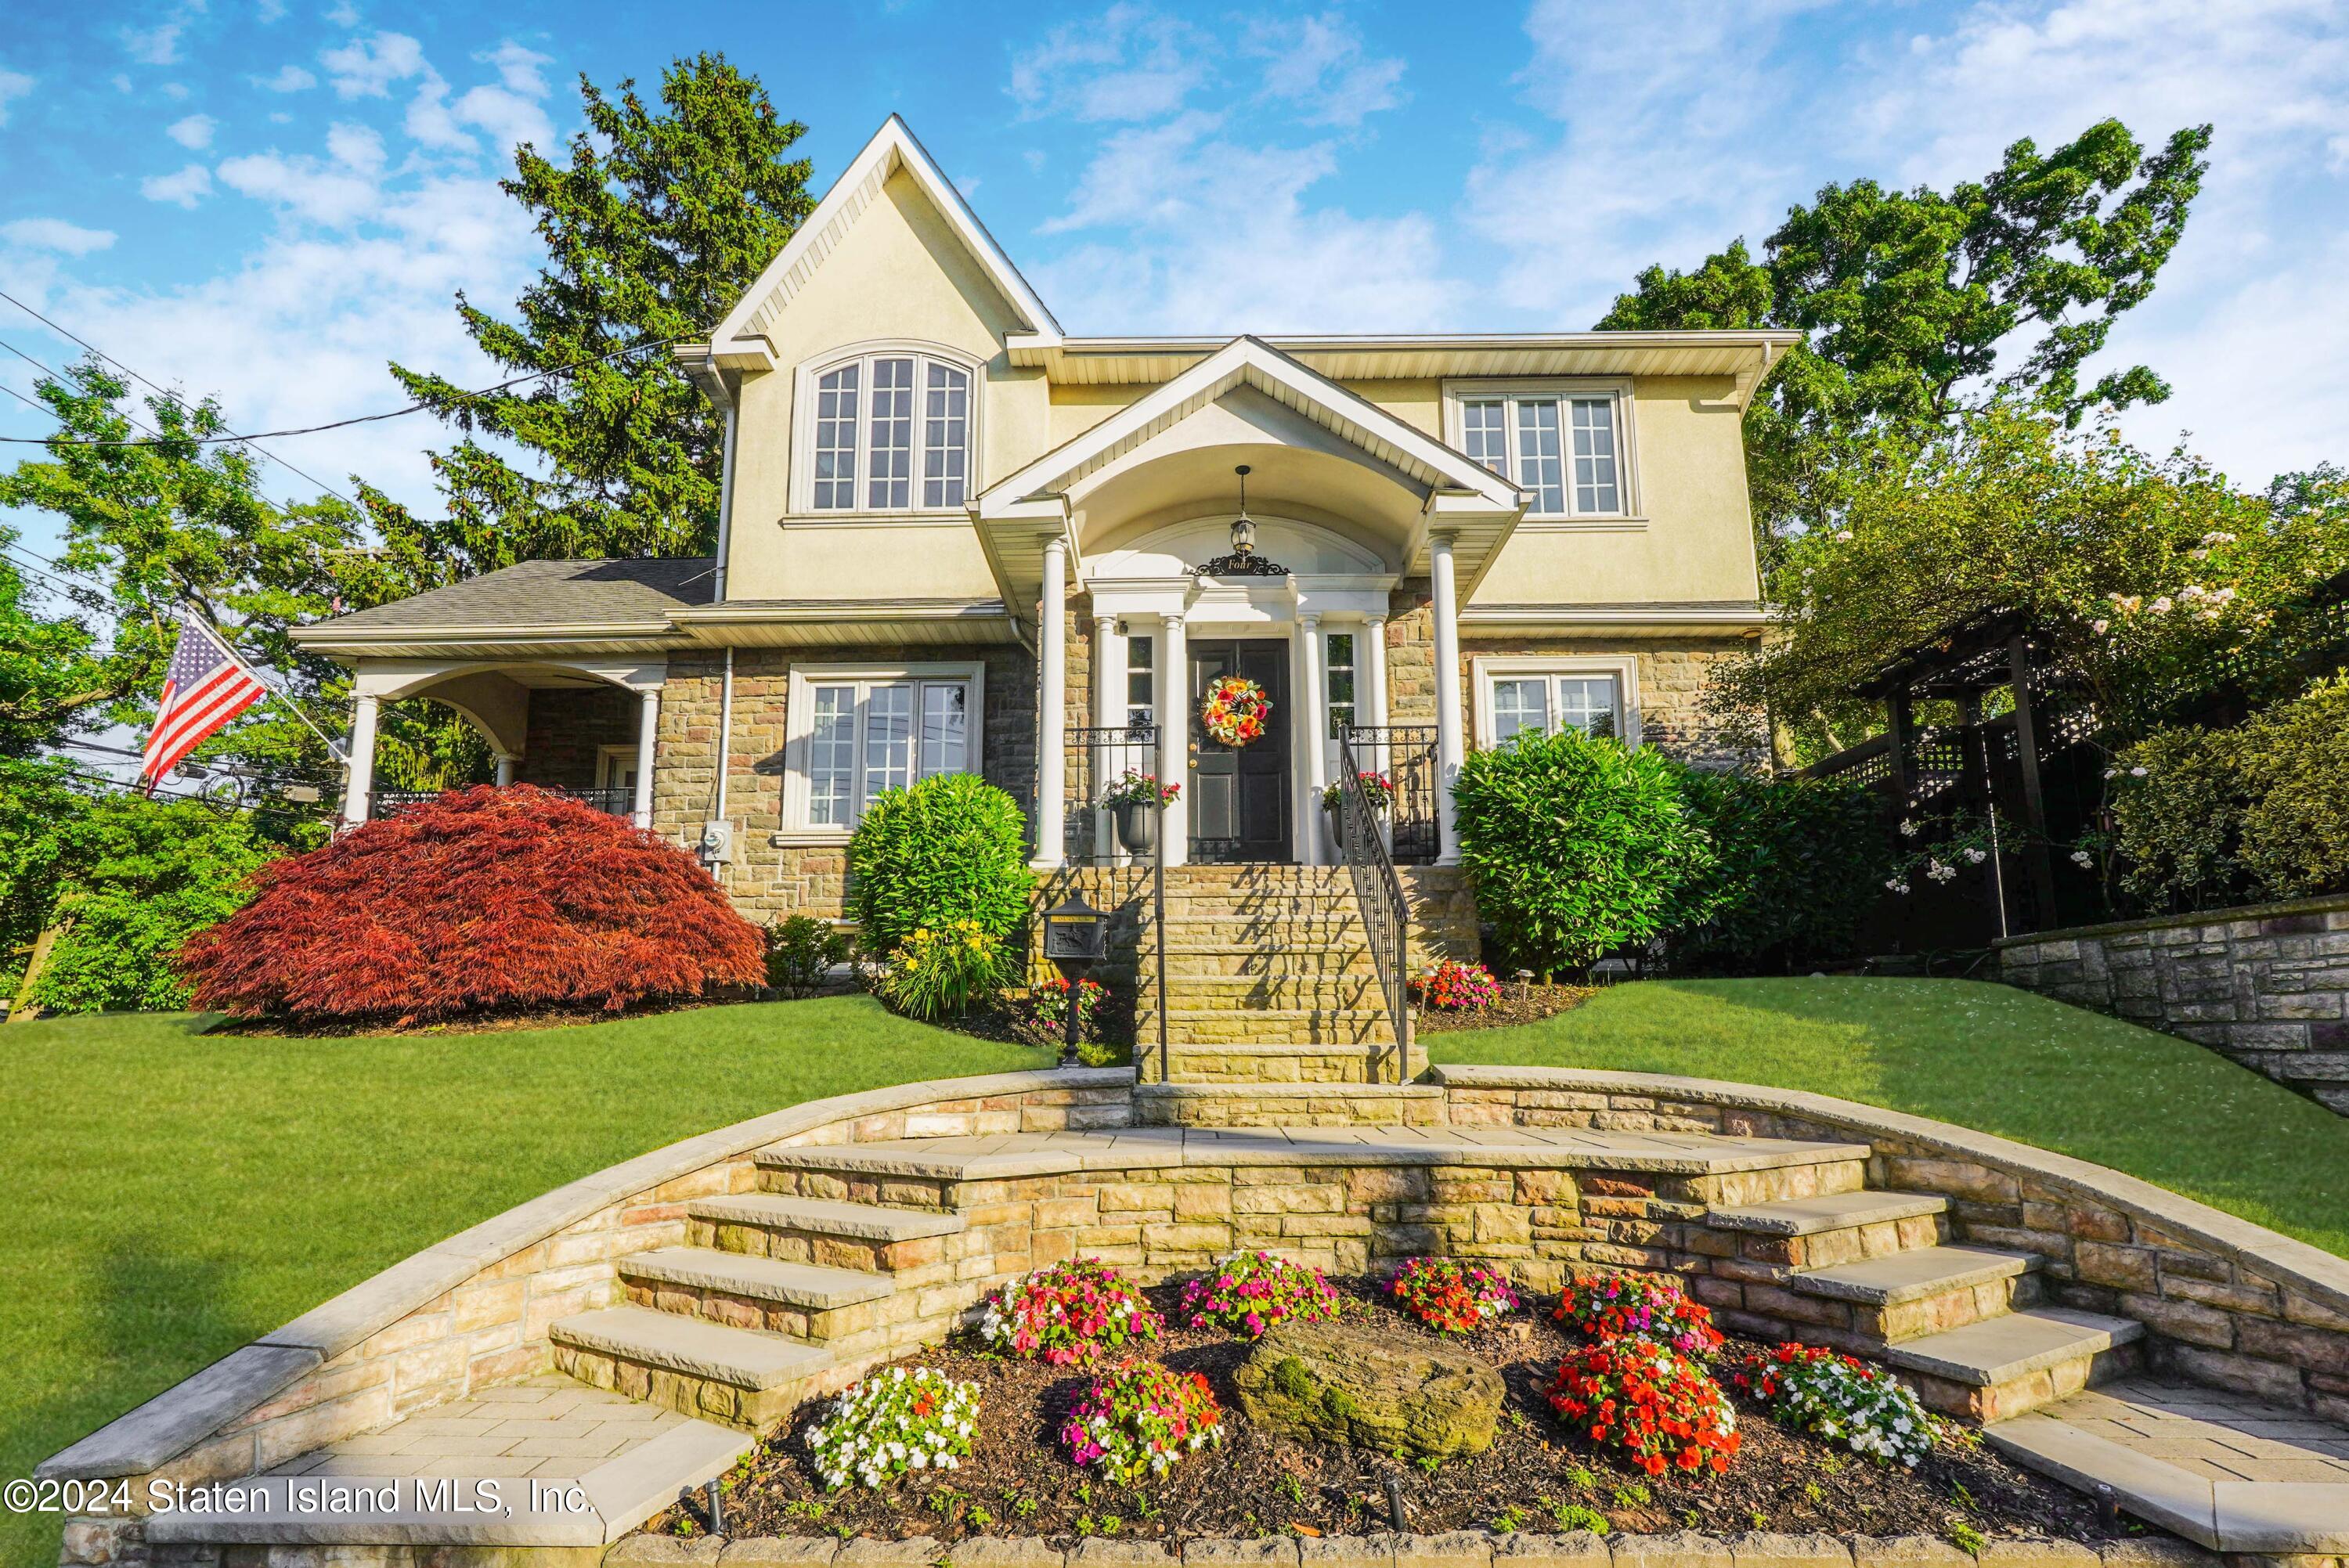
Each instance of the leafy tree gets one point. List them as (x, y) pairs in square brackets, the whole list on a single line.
[(1915, 306), (662, 215)]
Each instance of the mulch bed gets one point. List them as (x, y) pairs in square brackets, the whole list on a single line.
[(471, 1023), (1019, 1483), (1520, 1003)]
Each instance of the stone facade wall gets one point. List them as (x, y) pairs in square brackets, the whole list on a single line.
[(2223, 1302), (567, 728), (1673, 672), (766, 879), (2266, 985)]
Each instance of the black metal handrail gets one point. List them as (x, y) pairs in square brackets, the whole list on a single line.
[(1386, 916), (1405, 754), (1097, 755)]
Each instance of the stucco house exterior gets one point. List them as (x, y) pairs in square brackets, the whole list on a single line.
[(956, 537)]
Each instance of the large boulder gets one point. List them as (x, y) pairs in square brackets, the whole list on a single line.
[(1346, 1383)]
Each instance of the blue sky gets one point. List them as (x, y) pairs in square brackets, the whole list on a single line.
[(268, 199)]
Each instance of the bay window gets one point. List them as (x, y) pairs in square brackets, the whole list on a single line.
[(891, 433), (853, 732)]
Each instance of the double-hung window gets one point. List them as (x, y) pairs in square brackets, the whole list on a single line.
[(1565, 448), (854, 733), (1341, 646), (1519, 696), (892, 434), (1140, 673)]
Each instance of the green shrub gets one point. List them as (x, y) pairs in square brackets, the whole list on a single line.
[(943, 972), (948, 848), (2206, 818), (1800, 863), (800, 952), (1579, 846)]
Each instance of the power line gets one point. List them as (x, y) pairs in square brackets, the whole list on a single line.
[(174, 396), (345, 423)]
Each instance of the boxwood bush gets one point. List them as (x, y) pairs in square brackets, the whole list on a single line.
[(1580, 846), (1798, 864), (947, 849)]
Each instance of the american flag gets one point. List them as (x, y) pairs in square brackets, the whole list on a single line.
[(205, 687)]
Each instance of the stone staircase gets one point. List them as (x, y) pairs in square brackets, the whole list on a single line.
[(1269, 979), (1873, 1273)]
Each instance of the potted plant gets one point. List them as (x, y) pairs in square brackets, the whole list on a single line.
[(1135, 799), (1376, 785)]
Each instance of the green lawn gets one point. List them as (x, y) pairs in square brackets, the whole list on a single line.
[(1983, 1056), (174, 1194)]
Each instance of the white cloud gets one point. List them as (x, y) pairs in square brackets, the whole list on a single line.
[(368, 67), (334, 193), (268, 11), (1318, 64), (175, 90), (153, 46), (507, 112), (343, 14), (185, 189), (289, 78), (13, 85), (1130, 63), (194, 133), (56, 235), (518, 68)]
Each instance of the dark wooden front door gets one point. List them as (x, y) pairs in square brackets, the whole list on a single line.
[(1239, 796)]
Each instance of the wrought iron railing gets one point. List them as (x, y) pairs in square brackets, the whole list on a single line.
[(1097, 757), (385, 802), (1405, 754), (1386, 915)]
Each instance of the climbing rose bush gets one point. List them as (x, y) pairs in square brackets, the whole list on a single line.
[(1449, 1295), (1139, 1418), (1606, 1307), (893, 1422), (1865, 1409), (1247, 1293), (1660, 1407), (1068, 1311)]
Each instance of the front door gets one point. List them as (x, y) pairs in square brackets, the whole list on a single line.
[(1239, 796)]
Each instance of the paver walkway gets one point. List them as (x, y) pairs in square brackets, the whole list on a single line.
[(550, 1427), (2225, 1469)]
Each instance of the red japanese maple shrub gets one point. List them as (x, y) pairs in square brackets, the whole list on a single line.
[(483, 900)]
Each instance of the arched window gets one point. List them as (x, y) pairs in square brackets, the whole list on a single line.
[(891, 433)]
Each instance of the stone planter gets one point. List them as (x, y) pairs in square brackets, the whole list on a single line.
[(1137, 827)]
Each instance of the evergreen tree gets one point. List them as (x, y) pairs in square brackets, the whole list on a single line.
[(663, 214)]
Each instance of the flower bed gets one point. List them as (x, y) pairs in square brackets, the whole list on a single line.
[(1139, 1419), (1068, 1311), (1662, 1409), (1247, 1293), (1611, 1307), (1455, 987), (893, 1422), (1865, 1409), (1451, 1297)]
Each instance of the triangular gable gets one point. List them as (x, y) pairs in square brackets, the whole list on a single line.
[(1252, 362), (893, 148)]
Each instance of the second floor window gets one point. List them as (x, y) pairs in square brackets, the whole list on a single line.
[(1557, 448), (891, 433)]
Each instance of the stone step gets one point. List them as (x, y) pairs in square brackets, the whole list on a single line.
[(737, 1375), (1769, 1240), (1288, 992), (1281, 904), (1217, 1027), (1196, 934), (1235, 959), (2005, 1366), (862, 1237), (1905, 1296), (807, 1285)]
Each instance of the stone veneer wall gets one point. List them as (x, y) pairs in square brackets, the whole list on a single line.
[(1672, 674), (2267, 986), (766, 879), (2224, 1302)]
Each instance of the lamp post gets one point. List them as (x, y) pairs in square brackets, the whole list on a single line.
[(1076, 937)]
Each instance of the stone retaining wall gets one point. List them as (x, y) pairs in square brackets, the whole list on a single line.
[(2267, 986), (2224, 1302)]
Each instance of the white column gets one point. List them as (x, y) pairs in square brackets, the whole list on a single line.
[(1449, 750), (1315, 712), (1109, 680), (358, 776), (1051, 695), (1370, 705), (1175, 736), (506, 766), (647, 730)]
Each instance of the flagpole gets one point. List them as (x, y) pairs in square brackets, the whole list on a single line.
[(283, 700)]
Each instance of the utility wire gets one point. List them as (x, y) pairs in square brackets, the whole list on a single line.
[(345, 423), (174, 396)]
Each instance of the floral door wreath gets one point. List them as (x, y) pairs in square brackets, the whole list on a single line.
[(1234, 710)]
